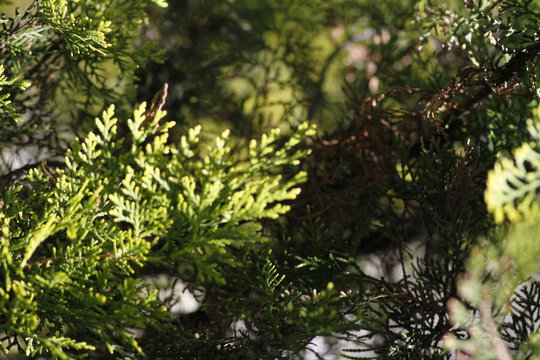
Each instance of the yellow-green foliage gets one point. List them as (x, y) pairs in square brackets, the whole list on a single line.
[(70, 248), (7, 112), (80, 47), (93, 26), (419, 99), (498, 282), (512, 185)]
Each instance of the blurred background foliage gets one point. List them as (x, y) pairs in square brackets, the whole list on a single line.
[(415, 101)]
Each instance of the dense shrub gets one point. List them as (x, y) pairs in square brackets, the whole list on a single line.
[(405, 227)]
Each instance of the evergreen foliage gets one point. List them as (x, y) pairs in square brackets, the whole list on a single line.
[(70, 264), (405, 228), (78, 56)]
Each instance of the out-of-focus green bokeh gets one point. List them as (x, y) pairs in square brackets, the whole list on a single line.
[(9, 9)]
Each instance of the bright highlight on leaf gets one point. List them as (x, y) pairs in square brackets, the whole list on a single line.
[(513, 184)]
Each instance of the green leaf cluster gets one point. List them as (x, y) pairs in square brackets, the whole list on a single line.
[(72, 247), (79, 55), (8, 113), (513, 183), (405, 229)]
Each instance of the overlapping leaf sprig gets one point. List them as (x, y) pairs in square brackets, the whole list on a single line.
[(513, 184), (74, 240), (500, 272)]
